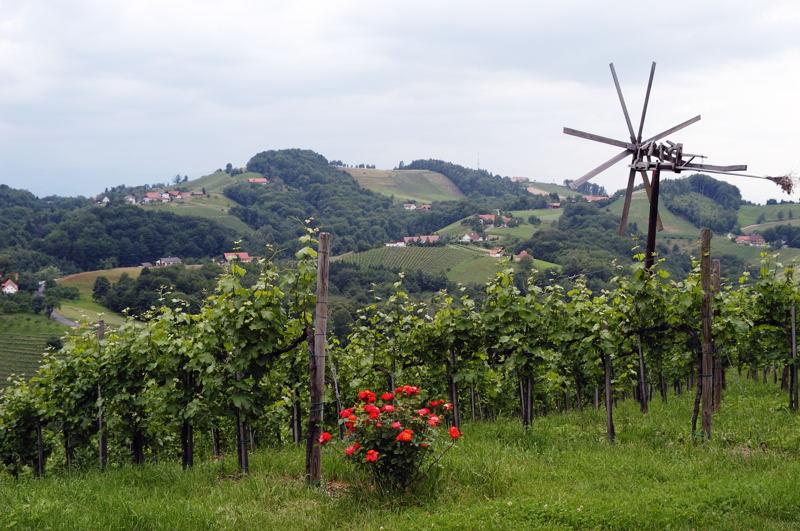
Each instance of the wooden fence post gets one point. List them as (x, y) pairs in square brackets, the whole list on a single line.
[(39, 450), (793, 387), (716, 280), (707, 366), (102, 437), (317, 364)]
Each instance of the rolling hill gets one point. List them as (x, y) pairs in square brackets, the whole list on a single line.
[(86, 309), (423, 186), (538, 188)]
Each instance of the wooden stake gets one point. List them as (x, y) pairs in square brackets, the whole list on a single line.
[(652, 225), (716, 278), (609, 399), (39, 450), (793, 388), (317, 364), (707, 366), (102, 437)]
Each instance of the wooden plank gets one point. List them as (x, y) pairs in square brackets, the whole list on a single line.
[(675, 129), (622, 102), (626, 206), (603, 167), (650, 250), (598, 138), (646, 101)]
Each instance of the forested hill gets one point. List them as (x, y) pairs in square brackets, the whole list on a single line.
[(74, 235), (304, 185), (703, 200), (473, 183)]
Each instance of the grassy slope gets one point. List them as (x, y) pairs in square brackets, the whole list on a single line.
[(23, 338), (85, 309), (521, 232), (416, 185), (460, 263), (214, 205), (749, 214), (562, 191), (560, 475)]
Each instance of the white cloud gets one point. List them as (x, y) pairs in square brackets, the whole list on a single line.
[(96, 93)]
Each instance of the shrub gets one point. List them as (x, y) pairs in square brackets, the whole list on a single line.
[(393, 435)]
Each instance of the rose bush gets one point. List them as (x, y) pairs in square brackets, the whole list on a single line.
[(393, 434)]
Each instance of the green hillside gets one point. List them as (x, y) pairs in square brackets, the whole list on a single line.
[(85, 309), (507, 235), (749, 215), (407, 185), (214, 205), (538, 188), (460, 263), (23, 339)]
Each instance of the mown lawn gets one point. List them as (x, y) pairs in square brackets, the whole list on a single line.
[(560, 475)]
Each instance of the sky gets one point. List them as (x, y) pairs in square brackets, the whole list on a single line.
[(97, 93)]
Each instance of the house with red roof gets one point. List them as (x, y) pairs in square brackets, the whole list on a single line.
[(244, 258), (9, 287), (258, 180)]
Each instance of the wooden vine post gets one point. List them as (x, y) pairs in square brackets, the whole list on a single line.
[(716, 280), (317, 364), (793, 387), (102, 437), (707, 365)]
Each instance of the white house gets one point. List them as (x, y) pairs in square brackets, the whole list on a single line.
[(10, 287)]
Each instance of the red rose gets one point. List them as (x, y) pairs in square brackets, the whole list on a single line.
[(372, 411), (435, 403), (366, 396), (388, 408), (371, 456), (350, 426), (353, 448), (343, 414), (422, 412), (324, 437), (352, 418), (433, 421), (455, 433), (405, 436), (396, 425), (407, 390), (387, 396)]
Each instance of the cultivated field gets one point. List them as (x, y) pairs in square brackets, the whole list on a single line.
[(23, 339), (407, 185), (562, 474), (85, 309), (538, 188)]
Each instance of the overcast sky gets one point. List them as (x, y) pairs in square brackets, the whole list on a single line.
[(99, 93)]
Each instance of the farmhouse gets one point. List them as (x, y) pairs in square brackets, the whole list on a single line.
[(396, 244), (409, 206), (522, 256), (149, 197), (554, 205), (487, 218), (425, 207), (471, 237), (9, 287), (244, 258), (258, 180), (131, 200), (496, 252), (168, 261), (754, 240)]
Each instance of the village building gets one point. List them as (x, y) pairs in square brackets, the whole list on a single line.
[(258, 180), (409, 206), (522, 256), (168, 261), (9, 287), (496, 252), (131, 200), (487, 218), (396, 244), (554, 205), (471, 237), (425, 207), (150, 197), (754, 240), (244, 258)]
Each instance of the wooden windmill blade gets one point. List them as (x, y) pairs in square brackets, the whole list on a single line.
[(622, 102), (603, 167)]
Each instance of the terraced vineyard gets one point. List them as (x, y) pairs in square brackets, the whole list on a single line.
[(23, 339), (414, 185)]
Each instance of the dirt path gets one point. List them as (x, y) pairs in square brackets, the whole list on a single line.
[(57, 317)]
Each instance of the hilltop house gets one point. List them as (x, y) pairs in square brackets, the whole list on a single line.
[(131, 200), (244, 258), (554, 205), (409, 206), (754, 240), (9, 287), (258, 180), (487, 218), (150, 197), (168, 261), (496, 252), (471, 237), (522, 256)]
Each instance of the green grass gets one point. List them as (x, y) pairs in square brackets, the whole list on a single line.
[(214, 205), (85, 309), (639, 214), (749, 214), (509, 235), (562, 191), (407, 185), (23, 339), (562, 474)]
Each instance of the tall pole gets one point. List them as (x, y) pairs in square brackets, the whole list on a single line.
[(317, 364), (652, 225), (716, 278), (102, 437), (707, 366)]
